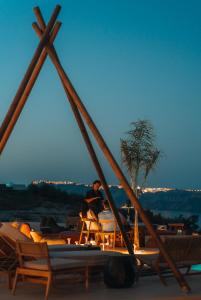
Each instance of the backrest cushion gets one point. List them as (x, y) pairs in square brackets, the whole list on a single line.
[(36, 236), (12, 233), (25, 229), (15, 224)]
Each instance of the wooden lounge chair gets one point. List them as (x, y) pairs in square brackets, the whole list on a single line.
[(11, 238), (12, 234), (36, 266)]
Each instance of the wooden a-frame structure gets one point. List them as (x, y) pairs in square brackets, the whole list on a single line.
[(47, 34)]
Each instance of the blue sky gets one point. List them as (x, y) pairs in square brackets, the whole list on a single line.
[(128, 60)]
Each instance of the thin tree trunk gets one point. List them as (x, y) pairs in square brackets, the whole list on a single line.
[(136, 225), (136, 232)]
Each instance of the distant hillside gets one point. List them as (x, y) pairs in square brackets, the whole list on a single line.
[(65, 199), (37, 201), (175, 200)]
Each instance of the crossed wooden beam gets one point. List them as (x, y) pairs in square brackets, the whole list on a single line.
[(47, 34)]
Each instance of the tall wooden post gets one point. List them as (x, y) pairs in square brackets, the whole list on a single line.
[(81, 108), (88, 143), (11, 121), (3, 135), (77, 101), (100, 174)]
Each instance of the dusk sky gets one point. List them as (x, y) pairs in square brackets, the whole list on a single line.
[(128, 60)]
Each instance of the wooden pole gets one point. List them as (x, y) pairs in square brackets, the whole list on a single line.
[(27, 76), (100, 173), (77, 101), (91, 151), (18, 109)]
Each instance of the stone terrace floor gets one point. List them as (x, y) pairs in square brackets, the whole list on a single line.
[(148, 288)]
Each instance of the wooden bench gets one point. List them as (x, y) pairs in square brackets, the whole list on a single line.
[(185, 251)]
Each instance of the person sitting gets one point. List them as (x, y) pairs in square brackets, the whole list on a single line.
[(107, 215), (94, 200)]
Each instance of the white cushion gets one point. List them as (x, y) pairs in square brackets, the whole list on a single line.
[(59, 264), (56, 264), (36, 236), (53, 241), (110, 225), (39, 264)]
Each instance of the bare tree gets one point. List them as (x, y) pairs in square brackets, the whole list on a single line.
[(139, 155)]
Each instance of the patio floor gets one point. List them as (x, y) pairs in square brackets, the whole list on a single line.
[(148, 288)]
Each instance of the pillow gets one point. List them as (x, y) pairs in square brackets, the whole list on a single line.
[(12, 233), (36, 236), (15, 224), (25, 229)]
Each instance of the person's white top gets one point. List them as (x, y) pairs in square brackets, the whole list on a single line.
[(108, 215)]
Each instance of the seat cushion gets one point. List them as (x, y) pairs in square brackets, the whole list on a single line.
[(53, 241), (56, 264), (60, 264), (39, 264), (36, 236)]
